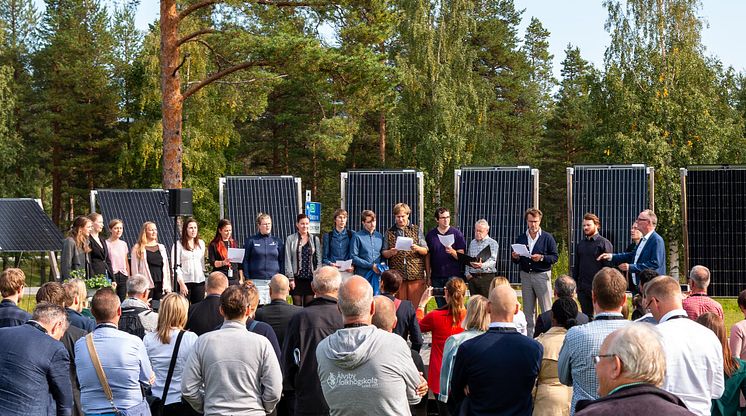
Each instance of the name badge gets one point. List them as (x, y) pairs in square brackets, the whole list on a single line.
[(257, 245)]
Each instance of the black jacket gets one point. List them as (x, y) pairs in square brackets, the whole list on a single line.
[(319, 319), (277, 314), (204, 316), (544, 322), (546, 246), (632, 400), (406, 323)]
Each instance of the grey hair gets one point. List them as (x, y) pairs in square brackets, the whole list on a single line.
[(482, 222), (653, 217), (353, 305), (564, 286), (639, 347), (49, 314), (137, 284), (326, 280), (700, 276)]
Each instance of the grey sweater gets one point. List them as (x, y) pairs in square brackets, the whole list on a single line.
[(244, 379), (367, 371)]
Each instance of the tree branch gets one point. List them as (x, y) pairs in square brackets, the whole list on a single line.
[(220, 74), (196, 6), (193, 35)]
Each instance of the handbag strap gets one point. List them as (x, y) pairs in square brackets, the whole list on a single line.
[(100, 371), (171, 367)]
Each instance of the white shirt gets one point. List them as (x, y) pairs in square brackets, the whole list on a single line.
[(532, 242), (160, 358), (191, 263), (694, 361), (640, 246)]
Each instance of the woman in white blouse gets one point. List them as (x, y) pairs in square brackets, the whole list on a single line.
[(160, 346), (190, 262)]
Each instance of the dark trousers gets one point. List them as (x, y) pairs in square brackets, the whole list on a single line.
[(479, 284), (196, 292), (286, 406), (586, 302), (179, 409), (121, 281), (439, 282)]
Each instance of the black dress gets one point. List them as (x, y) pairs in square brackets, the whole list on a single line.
[(155, 265), (305, 271), (100, 261)]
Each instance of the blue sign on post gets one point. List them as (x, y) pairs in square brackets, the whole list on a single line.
[(313, 211)]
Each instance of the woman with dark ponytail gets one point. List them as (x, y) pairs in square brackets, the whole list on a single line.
[(552, 397)]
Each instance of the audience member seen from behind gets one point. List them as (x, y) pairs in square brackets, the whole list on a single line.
[(337, 242), (75, 301), (494, 373), (123, 357), (245, 379), (738, 330), (441, 262), (477, 321), (406, 317), (552, 397), (697, 302), (12, 282), (189, 255), (641, 313), (302, 259), (161, 345), (259, 327), (205, 316), (99, 255), (734, 370), (149, 258), (519, 320), (137, 318), (36, 380), (360, 352), (279, 312), (442, 322), (694, 356), (217, 253), (564, 287), (118, 250), (76, 249), (631, 364)]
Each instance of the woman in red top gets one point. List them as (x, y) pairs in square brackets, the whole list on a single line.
[(442, 322)]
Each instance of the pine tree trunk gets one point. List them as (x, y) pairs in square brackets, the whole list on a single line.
[(171, 105), (382, 138), (673, 259), (56, 185)]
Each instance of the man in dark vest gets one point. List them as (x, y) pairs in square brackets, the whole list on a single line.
[(410, 262)]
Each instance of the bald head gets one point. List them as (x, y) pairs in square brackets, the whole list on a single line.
[(356, 300), (326, 281), (216, 284), (503, 304), (385, 315), (279, 287)]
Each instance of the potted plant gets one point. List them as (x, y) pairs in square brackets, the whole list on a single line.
[(92, 284)]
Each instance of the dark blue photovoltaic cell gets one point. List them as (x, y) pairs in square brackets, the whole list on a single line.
[(247, 196), (500, 196), (716, 211), (379, 191), (134, 207), (616, 194), (24, 226)]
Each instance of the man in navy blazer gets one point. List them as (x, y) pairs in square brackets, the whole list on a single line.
[(650, 253), (34, 366), (494, 373)]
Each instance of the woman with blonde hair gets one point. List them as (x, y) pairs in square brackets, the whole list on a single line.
[(161, 346), (149, 258), (76, 248), (442, 322), (477, 321), (118, 250)]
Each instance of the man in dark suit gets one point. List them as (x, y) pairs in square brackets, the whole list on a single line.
[(650, 252), (278, 312), (494, 373), (12, 282), (36, 380), (205, 316), (564, 287)]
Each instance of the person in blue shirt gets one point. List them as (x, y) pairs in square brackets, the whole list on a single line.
[(264, 254), (366, 247), (336, 243)]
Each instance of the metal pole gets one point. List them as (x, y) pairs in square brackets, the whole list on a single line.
[(221, 194), (570, 220), (684, 219), (651, 187), (535, 173), (456, 191)]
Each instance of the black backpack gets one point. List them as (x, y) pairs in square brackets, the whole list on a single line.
[(130, 321)]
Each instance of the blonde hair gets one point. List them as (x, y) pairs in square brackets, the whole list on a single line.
[(499, 281), (172, 314), (456, 292), (142, 240), (402, 208), (11, 281), (477, 314)]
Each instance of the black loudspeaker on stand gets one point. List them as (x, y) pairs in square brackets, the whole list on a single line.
[(179, 204)]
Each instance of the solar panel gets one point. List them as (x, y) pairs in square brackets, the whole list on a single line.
[(134, 207), (24, 226), (379, 191), (500, 195), (246, 196), (615, 193), (715, 207)]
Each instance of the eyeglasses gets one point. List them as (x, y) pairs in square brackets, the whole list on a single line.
[(647, 307), (597, 358)]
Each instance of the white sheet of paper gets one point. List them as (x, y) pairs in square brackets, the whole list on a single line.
[(404, 243), (263, 289), (344, 264), (446, 240), (521, 250), (235, 255)]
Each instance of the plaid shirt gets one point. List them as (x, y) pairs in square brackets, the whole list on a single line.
[(576, 367), (699, 303), (11, 314)]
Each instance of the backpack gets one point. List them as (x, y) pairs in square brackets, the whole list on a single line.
[(130, 321)]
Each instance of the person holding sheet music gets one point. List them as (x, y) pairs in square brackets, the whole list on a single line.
[(483, 251), (408, 260), (217, 253), (336, 244), (444, 244)]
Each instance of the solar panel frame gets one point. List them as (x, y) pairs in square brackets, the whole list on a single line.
[(499, 195), (379, 191), (243, 197), (25, 227)]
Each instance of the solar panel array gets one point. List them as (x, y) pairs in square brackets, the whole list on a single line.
[(24, 226), (246, 196), (716, 208), (616, 194), (379, 191), (500, 195), (134, 207)]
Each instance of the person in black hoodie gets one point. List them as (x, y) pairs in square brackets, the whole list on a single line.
[(319, 319)]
